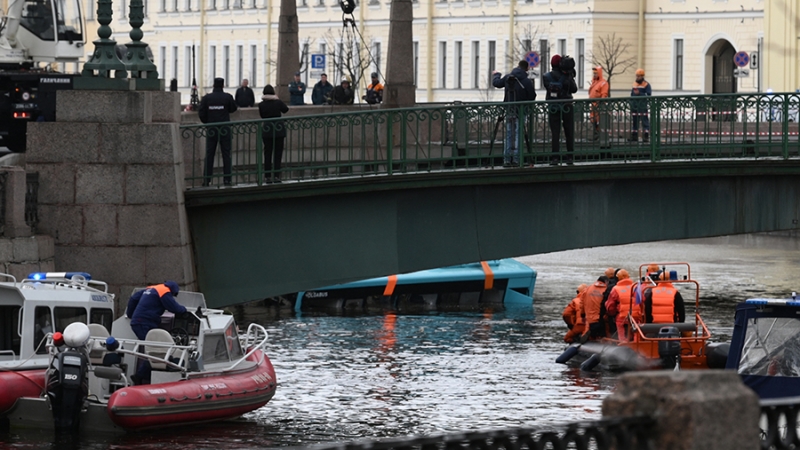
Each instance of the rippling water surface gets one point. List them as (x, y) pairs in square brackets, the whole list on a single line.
[(346, 378)]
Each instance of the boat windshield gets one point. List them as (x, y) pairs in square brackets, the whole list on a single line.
[(771, 347)]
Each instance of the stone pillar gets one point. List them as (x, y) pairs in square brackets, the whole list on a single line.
[(696, 409), (288, 49), (111, 188), (400, 90)]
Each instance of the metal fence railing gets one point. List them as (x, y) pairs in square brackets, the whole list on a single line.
[(619, 434), (779, 423), (471, 136)]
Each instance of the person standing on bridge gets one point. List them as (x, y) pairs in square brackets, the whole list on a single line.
[(518, 88), (598, 89), (217, 107), (297, 91), (641, 88), (244, 95), (321, 94), (272, 133), (560, 85)]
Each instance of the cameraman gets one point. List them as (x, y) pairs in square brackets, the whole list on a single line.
[(560, 85), (518, 88)]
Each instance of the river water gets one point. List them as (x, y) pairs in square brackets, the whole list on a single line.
[(348, 378)]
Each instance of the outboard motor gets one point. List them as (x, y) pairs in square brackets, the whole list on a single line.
[(68, 380), (669, 351)]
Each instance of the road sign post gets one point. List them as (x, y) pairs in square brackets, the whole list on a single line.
[(741, 59), (533, 59)]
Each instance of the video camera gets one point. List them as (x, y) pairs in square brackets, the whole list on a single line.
[(567, 65)]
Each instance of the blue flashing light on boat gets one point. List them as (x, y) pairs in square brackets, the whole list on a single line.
[(58, 275), (773, 301)]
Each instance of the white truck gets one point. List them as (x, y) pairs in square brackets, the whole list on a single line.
[(33, 34)]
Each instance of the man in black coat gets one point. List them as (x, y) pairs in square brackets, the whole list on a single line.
[(560, 85), (244, 95), (217, 107), (518, 88), (343, 94), (272, 133)]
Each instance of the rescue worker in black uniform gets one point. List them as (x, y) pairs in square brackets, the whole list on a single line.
[(217, 107)]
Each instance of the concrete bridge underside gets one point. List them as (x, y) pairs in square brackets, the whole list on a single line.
[(255, 242)]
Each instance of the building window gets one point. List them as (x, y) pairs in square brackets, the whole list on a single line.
[(163, 58), (476, 64), (458, 59), (305, 63), (212, 63), (175, 62), (678, 64), (175, 5), (253, 64), (340, 62), (416, 63), (492, 57), (226, 64), (443, 64), (123, 9), (376, 56), (562, 47), (162, 6), (239, 64), (580, 62), (544, 54), (188, 65)]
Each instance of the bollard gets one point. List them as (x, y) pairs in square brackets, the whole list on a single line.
[(697, 410)]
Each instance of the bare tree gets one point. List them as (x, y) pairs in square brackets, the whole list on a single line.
[(611, 53), (350, 56), (523, 43)]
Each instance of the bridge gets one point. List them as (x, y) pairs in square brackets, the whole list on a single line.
[(382, 191)]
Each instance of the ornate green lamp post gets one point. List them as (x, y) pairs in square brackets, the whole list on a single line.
[(143, 71), (96, 73)]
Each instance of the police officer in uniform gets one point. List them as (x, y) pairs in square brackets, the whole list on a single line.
[(217, 107)]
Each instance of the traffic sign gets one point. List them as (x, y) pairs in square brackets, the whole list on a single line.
[(741, 59), (741, 73), (754, 60), (318, 61), (532, 58)]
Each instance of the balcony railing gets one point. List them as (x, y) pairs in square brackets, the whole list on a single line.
[(471, 136)]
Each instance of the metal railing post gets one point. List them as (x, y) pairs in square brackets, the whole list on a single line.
[(389, 141), (785, 127), (260, 155), (655, 128)]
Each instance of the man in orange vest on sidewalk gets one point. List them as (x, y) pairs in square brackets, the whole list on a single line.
[(663, 303), (620, 303), (573, 317)]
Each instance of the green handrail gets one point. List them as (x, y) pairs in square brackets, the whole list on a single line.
[(471, 136)]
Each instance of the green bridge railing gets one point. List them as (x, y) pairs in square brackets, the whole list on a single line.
[(465, 136)]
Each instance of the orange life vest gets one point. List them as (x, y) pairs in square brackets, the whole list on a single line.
[(592, 300), (624, 289), (160, 288), (663, 303), (573, 313)]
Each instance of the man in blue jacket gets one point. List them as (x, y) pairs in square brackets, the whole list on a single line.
[(297, 91), (518, 88), (145, 308)]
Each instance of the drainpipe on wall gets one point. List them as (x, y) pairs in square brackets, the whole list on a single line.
[(430, 51), (511, 56), (640, 49), (202, 81), (268, 72)]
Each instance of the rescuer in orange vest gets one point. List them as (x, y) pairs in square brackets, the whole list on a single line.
[(592, 301), (574, 316), (663, 303), (620, 303)]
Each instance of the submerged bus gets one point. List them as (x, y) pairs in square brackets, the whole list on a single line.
[(503, 283)]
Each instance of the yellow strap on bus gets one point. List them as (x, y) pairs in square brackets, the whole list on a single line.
[(488, 282), (390, 285)]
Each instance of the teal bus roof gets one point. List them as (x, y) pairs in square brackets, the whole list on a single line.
[(501, 269)]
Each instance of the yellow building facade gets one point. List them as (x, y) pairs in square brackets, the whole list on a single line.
[(686, 47)]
